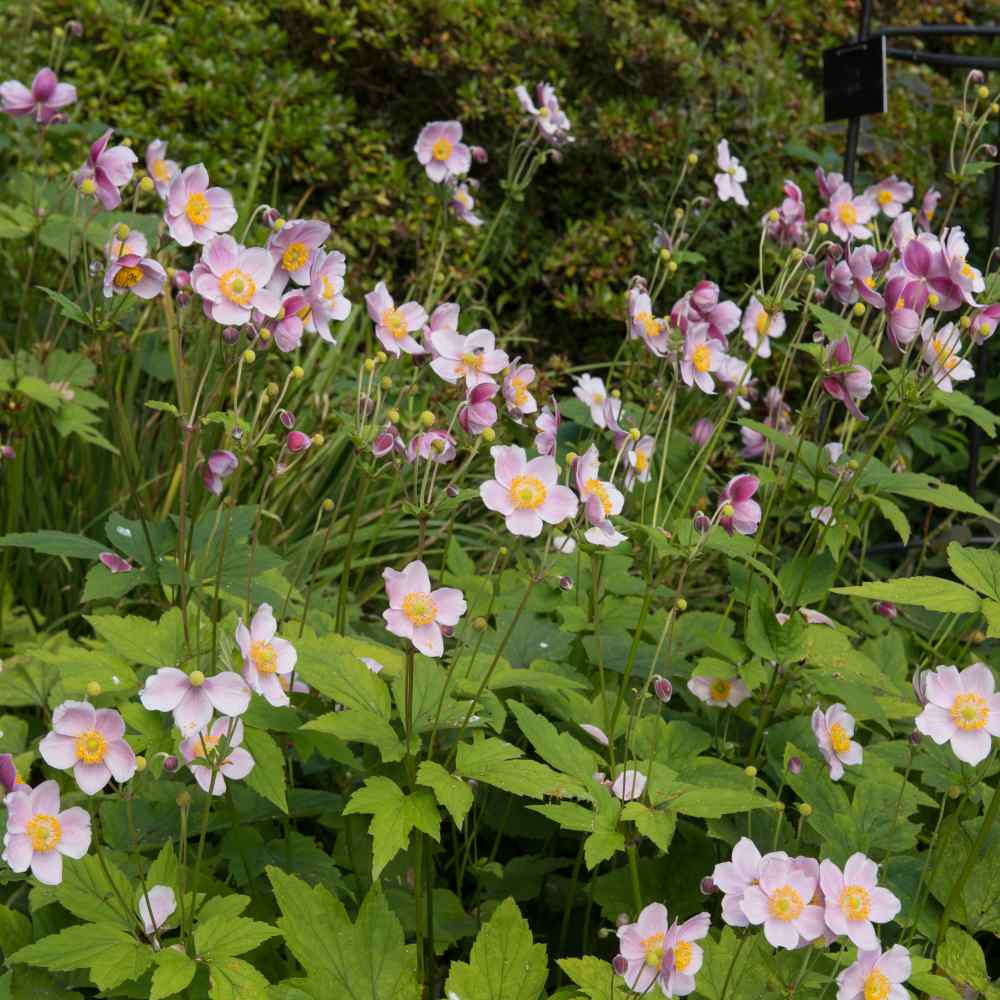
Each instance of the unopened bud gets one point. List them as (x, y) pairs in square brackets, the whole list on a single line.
[(681, 604), (707, 886), (805, 809), (170, 763), (665, 255), (318, 439), (566, 582), (479, 154), (886, 609), (571, 457), (809, 261), (622, 919), (662, 688), (184, 799), (692, 159), (197, 678), (859, 309), (451, 491), (954, 792), (982, 93), (794, 765), (620, 965), (270, 216), (249, 357), (393, 416), (230, 334), (381, 357), (977, 76), (750, 771), (427, 418), (672, 268), (502, 551), (369, 364), (386, 383), (489, 435), (122, 231), (995, 108), (480, 624), (140, 762), (915, 738), (93, 688), (965, 322), (327, 505), (75, 28), (298, 371), (273, 388), (823, 229), (287, 419), (881, 260)]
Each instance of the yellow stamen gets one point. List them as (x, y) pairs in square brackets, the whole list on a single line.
[(598, 489), (683, 953), (91, 747), (419, 608), (237, 286), (970, 712), (197, 209), (839, 739), (653, 947), (162, 172), (127, 277), (296, 256), (720, 689), (884, 197), (395, 322), (45, 832), (785, 904), (877, 986), (762, 322), (855, 902), (702, 358), (527, 492), (442, 149), (264, 656), (847, 214)]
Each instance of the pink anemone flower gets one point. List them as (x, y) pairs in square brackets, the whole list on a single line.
[(416, 612), (734, 877), (39, 834), (134, 244), (849, 214), (265, 656), (237, 764), (552, 122), (876, 975), (527, 493), (854, 900), (547, 424), (91, 742), (473, 357), (653, 951), (155, 908), (233, 280), (441, 152), (789, 226), (702, 356), (601, 500), (760, 327), (629, 785), (192, 697), (731, 177), (195, 212), (962, 709), (902, 307), (890, 195), (640, 460), (847, 382), (720, 692), (520, 402), (478, 412), (141, 276), (928, 207), (161, 170), (324, 297), (782, 902), (108, 169), (833, 730), (942, 351), (462, 204), (215, 469), (722, 317), (983, 323), (293, 248), (45, 98), (739, 512), (591, 392), (394, 326), (643, 325)]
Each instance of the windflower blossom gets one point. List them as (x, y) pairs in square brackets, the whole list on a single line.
[(547, 424), (782, 902), (847, 382), (731, 177), (735, 378), (876, 975), (640, 461), (551, 120), (195, 212), (854, 901), (890, 195), (962, 280), (217, 468), (722, 317), (833, 730), (394, 325), (473, 357), (760, 327), (854, 276), (737, 875), (902, 302), (644, 326), (233, 280), (444, 319), (432, 446), (293, 248), (827, 183), (961, 708), (478, 412), (325, 302), (462, 205), (942, 351), (848, 215), (441, 152), (720, 692), (155, 908), (192, 697), (388, 441), (655, 952), (44, 99), (141, 276), (133, 243), (823, 515), (416, 612), (591, 392), (265, 656), (91, 742), (789, 227), (737, 511), (527, 493), (928, 208), (520, 402), (601, 500), (701, 431), (106, 171), (629, 785), (161, 170), (983, 323), (237, 764), (702, 356), (39, 834)]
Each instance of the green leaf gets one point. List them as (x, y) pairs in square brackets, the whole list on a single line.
[(227, 936), (15, 931), (68, 308), (602, 845), (103, 585), (174, 972), (449, 789), (157, 404), (139, 640), (268, 775), (769, 638), (505, 963), (332, 665), (979, 568), (962, 406), (657, 824), (361, 961), (595, 978), (394, 814), (55, 543), (41, 392), (928, 592), (729, 962), (894, 516), (357, 725), (494, 762), (560, 750), (934, 986), (918, 486), (961, 957), (711, 803), (234, 979), (88, 894)]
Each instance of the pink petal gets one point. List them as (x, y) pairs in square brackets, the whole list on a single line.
[(450, 605), (936, 722), (58, 751), (397, 623), (496, 497), (978, 679), (263, 626), (526, 523), (194, 711), (238, 764), (73, 718), (47, 867), (972, 746), (120, 759), (221, 254), (18, 851), (91, 777), (427, 639), (109, 724), (509, 461)]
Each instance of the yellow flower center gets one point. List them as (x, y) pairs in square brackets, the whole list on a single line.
[(462, 197), (442, 149), (970, 712), (884, 197), (304, 313), (641, 461), (847, 214), (419, 608), (197, 209), (731, 171), (945, 355), (930, 214), (762, 323), (527, 492), (839, 739), (683, 953), (877, 986), (45, 832), (785, 904), (264, 656), (329, 292), (653, 947), (162, 173), (967, 271), (238, 286), (720, 689), (520, 395), (127, 277), (91, 747), (208, 743), (855, 902), (599, 398), (395, 322), (702, 358), (869, 281), (599, 490), (473, 360), (649, 323), (296, 256)]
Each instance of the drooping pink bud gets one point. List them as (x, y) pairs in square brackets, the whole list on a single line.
[(287, 419), (297, 442), (794, 765), (707, 886), (115, 563), (479, 154), (701, 432), (886, 609), (662, 688), (620, 964)]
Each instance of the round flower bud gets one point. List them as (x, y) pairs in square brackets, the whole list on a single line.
[(965, 322), (859, 309), (278, 223), (183, 299), (184, 800), (982, 93), (369, 364), (249, 357), (451, 491), (915, 737), (287, 419), (230, 334), (170, 763), (381, 357), (318, 439), (489, 435), (805, 809), (933, 299), (122, 231), (681, 604), (140, 762), (773, 216), (823, 229), (886, 609), (622, 919), (480, 624), (620, 964), (566, 582), (995, 108), (692, 159), (794, 765), (273, 388), (954, 792), (634, 434), (571, 457), (665, 255), (678, 213), (327, 505), (197, 678), (75, 28), (393, 416), (750, 771), (386, 383), (502, 551), (662, 688), (93, 688), (298, 371), (427, 418), (707, 886), (88, 186), (672, 268)]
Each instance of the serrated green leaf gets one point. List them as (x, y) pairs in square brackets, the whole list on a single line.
[(560, 750), (602, 845), (495, 762), (449, 789), (656, 824), (928, 592), (234, 979), (67, 307), (892, 513), (357, 725), (92, 894), (268, 775), (934, 986), (227, 936), (962, 406), (918, 486), (979, 568), (15, 931), (961, 957), (595, 978), (174, 972), (54, 543)]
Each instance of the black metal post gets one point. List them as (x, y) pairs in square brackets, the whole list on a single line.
[(854, 124)]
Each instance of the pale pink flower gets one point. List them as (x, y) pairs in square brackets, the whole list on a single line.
[(828, 182), (781, 901), (109, 169), (233, 280), (903, 300), (135, 243), (547, 424), (520, 402), (735, 377), (962, 709), (595, 733), (195, 212), (848, 214), (890, 195), (324, 296), (854, 901), (701, 431), (155, 908), (416, 612), (702, 356), (789, 226), (388, 441), (237, 764), (478, 412), (441, 152), (760, 327), (394, 326), (192, 697), (655, 952), (548, 115), (265, 656), (876, 975), (473, 357), (984, 322), (943, 352), (216, 468), (823, 514), (293, 248), (846, 381), (720, 692), (722, 317), (462, 204), (629, 785), (643, 325), (91, 742), (640, 460), (45, 98), (115, 563), (432, 446), (833, 730), (928, 207), (965, 279), (39, 834), (591, 392), (734, 877), (601, 500), (739, 512), (141, 276), (731, 178), (527, 493), (161, 170)]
